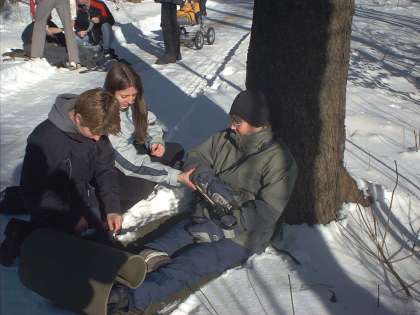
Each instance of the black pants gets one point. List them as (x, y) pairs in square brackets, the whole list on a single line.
[(170, 30), (203, 9), (133, 189)]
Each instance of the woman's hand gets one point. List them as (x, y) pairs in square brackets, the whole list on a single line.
[(114, 221), (157, 149), (184, 178)]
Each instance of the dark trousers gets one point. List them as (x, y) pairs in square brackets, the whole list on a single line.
[(191, 263), (170, 30), (133, 189)]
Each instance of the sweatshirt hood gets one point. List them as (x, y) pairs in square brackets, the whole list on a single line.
[(59, 114)]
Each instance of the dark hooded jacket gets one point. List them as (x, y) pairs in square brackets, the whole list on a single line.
[(61, 167)]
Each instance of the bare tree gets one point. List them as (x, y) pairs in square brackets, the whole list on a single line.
[(299, 56)]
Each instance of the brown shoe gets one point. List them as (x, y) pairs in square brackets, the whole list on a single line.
[(16, 231), (165, 59), (154, 259)]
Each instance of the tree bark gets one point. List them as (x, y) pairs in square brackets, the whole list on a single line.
[(299, 57)]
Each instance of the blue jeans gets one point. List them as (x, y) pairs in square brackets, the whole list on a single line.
[(107, 36), (191, 262)]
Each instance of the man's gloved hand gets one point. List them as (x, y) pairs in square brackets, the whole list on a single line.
[(220, 194)]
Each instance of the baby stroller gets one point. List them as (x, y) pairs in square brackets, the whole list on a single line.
[(193, 29)]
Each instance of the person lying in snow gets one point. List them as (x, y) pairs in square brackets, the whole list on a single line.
[(69, 162), (55, 43), (141, 154), (55, 51), (43, 11), (244, 178)]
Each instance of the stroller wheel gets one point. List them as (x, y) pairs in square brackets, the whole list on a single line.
[(199, 40), (211, 35)]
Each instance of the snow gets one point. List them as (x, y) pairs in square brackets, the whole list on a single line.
[(337, 272)]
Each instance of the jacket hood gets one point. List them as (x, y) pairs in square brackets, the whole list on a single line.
[(59, 114)]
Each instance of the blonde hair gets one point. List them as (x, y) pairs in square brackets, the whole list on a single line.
[(99, 111)]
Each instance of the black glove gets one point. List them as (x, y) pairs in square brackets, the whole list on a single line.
[(219, 196), (219, 193)]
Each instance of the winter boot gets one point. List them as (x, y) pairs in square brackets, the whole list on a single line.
[(165, 59), (118, 302), (11, 200), (118, 299), (154, 259), (16, 231)]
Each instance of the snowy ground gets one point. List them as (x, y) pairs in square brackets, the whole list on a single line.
[(338, 273)]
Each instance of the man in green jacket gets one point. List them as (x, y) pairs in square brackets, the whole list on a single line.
[(244, 178)]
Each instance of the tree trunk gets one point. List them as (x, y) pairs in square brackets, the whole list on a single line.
[(299, 56)]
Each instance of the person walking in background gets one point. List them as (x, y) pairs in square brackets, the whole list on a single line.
[(43, 11), (170, 31)]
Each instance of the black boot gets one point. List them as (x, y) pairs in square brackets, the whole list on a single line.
[(118, 300), (165, 59), (11, 200), (16, 231), (179, 56)]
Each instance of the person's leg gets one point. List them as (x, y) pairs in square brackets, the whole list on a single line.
[(168, 15), (107, 36), (95, 35), (175, 34), (133, 189), (203, 8), (43, 11), (186, 269), (172, 240), (165, 24), (63, 10)]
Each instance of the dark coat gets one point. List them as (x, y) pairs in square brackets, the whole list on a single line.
[(55, 46), (85, 14), (61, 166), (262, 184), (58, 39)]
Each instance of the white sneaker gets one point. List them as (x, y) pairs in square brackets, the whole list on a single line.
[(73, 65)]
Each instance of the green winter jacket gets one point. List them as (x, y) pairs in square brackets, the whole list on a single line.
[(262, 184)]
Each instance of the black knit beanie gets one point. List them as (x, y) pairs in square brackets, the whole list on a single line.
[(252, 107)]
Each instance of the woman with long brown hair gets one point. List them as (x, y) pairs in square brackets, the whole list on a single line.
[(141, 154)]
